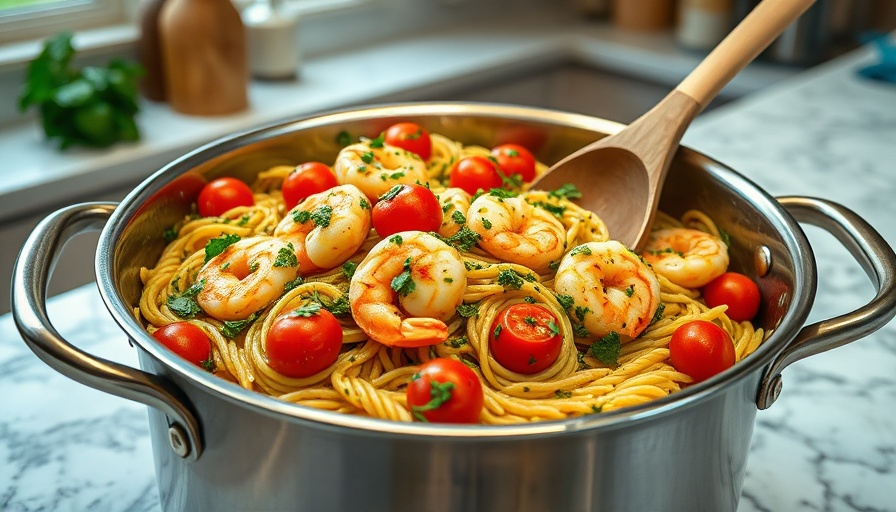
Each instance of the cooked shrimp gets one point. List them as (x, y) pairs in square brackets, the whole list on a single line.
[(455, 204), (405, 288), (513, 230), (327, 228), (375, 170), (246, 277), (687, 257), (612, 289)]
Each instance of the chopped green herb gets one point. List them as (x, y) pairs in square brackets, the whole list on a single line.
[(562, 394), (582, 249), (630, 290), (472, 265), (532, 360), (307, 310), (458, 217), (216, 246), (566, 301), (367, 157), (509, 278), (233, 327), (658, 314), (170, 235), (185, 305), (292, 284), (338, 307), (321, 216), (365, 204), (348, 269), (553, 327), (566, 191), (301, 217), (253, 266), (378, 141), (286, 257), (402, 283), (554, 209), (497, 331), (243, 220), (726, 238), (458, 342), (529, 320), (502, 193), (581, 311), (396, 175), (396, 239), (487, 224), (439, 392), (392, 192), (606, 350), (579, 331)]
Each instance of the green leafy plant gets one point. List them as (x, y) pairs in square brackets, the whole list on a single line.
[(93, 106)]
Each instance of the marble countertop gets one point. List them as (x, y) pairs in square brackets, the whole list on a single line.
[(828, 443)]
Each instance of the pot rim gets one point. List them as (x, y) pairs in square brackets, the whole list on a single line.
[(788, 325)]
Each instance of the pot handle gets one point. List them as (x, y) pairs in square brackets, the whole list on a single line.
[(878, 261), (29, 300)]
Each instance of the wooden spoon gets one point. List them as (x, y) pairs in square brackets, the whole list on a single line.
[(621, 176)]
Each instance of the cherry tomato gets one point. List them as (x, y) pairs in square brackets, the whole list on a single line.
[(701, 349), (525, 338), (410, 137), (515, 159), (737, 291), (223, 194), (406, 208), (303, 342), (187, 341), (475, 172), (445, 390), (307, 179)]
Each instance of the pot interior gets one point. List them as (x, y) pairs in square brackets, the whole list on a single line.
[(766, 243)]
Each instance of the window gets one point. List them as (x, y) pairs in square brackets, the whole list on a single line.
[(34, 19)]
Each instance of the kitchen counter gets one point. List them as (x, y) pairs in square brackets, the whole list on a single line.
[(828, 443)]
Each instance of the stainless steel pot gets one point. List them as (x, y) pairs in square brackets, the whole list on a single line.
[(220, 447)]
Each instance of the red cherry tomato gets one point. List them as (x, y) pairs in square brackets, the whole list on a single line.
[(223, 194), (701, 349), (475, 172), (307, 179), (187, 341), (525, 338), (410, 137), (737, 291), (303, 342), (406, 208), (445, 391), (515, 159)]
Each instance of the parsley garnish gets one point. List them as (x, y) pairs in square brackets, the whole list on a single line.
[(468, 310), (169, 235), (233, 327), (509, 278), (439, 392), (487, 224), (286, 257), (579, 331), (321, 216), (658, 314), (185, 305), (216, 246), (306, 310), (402, 283), (391, 193), (292, 284), (566, 301), (562, 394), (396, 239), (365, 204), (348, 269), (630, 290), (606, 350), (367, 157), (301, 217), (378, 141), (566, 191), (581, 249), (458, 217), (581, 311), (457, 342)]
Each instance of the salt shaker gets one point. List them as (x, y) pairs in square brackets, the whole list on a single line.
[(272, 36)]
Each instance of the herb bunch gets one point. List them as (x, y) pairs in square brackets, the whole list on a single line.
[(93, 106)]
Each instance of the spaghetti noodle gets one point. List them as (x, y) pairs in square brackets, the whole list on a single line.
[(369, 377)]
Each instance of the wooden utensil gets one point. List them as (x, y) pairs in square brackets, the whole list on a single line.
[(621, 176)]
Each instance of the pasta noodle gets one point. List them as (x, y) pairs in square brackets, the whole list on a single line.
[(369, 377)]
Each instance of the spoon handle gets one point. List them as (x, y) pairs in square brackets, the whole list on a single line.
[(757, 30)]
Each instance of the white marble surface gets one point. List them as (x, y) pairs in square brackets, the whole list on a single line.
[(828, 444)]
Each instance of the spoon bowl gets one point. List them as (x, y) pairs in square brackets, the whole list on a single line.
[(621, 176)]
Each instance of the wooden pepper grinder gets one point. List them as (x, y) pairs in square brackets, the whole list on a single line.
[(204, 55)]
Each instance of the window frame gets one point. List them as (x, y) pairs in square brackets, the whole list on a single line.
[(45, 20)]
